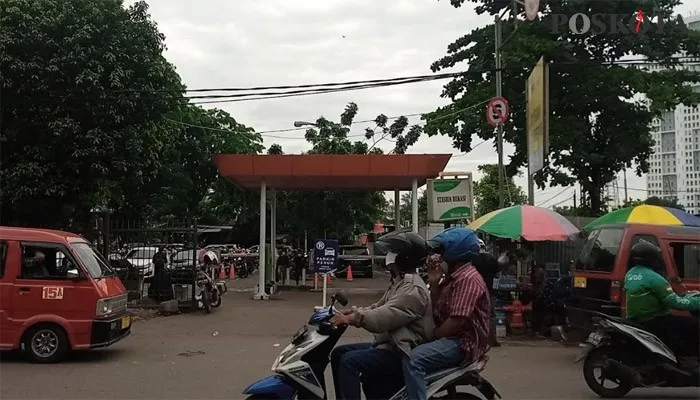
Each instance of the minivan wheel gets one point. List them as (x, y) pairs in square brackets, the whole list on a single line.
[(46, 343)]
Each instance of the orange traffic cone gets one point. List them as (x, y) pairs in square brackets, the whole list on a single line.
[(232, 272), (222, 272), (349, 274)]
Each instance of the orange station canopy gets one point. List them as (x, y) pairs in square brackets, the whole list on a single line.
[(330, 171)]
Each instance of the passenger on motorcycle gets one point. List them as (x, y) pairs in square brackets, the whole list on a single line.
[(401, 320), (650, 298), (461, 307)]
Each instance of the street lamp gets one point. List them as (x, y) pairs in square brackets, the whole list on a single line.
[(299, 124)]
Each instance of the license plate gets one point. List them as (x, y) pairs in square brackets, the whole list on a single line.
[(126, 322), (594, 338), (580, 282)]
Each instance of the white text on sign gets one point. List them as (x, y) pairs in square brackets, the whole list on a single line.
[(52, 293)]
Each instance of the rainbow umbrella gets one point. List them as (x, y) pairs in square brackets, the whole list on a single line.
[(526, 222), (646, 214)]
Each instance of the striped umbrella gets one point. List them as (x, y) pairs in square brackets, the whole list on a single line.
[(646, 214), (526, 222)]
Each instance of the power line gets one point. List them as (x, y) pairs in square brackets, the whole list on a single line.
[(554, 197), (403, 79), (303, 138)]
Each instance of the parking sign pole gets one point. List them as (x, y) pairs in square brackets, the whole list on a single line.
[(499, 93)]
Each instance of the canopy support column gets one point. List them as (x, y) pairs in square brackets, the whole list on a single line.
[(273, 234), (397, 209), (414, 205), (261, 294)]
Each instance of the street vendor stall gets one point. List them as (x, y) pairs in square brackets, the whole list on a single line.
[(518, 288)]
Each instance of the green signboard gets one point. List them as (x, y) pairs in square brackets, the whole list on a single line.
[(450, 199)]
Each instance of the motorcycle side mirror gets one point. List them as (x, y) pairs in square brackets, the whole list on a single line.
[(341, 298)]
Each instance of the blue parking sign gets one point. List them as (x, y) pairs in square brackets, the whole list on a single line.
[(325, 255)]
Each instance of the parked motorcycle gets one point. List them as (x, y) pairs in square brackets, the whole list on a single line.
[(209, 295), (299, 369), (242, 268), (628, 356)]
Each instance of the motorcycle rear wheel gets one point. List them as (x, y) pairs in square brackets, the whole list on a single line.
[(595, 360)]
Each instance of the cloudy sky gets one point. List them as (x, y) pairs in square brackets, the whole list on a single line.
[(223, 43)]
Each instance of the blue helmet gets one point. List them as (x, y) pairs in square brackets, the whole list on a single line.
[(456, 244)]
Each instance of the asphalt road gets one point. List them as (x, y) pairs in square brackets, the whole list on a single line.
[(198, 356)]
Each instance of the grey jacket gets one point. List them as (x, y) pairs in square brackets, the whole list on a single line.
[(403, 318)]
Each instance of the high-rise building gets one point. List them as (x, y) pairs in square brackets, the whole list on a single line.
[(674, 170)]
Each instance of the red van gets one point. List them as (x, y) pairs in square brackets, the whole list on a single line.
[(57, 293), (599, 272)]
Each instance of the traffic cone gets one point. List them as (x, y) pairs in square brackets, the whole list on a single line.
[(232, 272), (349, 279), (222, 272)]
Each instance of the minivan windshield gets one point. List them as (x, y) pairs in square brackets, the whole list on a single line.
[(95, 263)]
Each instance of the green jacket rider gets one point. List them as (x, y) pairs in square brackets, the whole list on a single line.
[(649, 294)]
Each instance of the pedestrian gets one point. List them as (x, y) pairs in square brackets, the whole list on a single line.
[(538, 278)]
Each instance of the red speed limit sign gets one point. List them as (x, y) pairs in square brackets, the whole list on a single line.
[(497, 111)]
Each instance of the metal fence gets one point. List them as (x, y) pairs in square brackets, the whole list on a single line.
[(150, 277)]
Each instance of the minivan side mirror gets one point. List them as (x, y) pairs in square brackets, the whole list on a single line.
[(74, 275)]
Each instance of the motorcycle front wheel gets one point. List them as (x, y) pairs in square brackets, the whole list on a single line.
[(593, 374), (217, 301), (206, 301)]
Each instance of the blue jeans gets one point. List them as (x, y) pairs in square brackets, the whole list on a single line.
[(429, 358), (351, 361)]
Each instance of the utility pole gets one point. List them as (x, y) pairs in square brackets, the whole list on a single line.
[(499, 93), (624, 176)]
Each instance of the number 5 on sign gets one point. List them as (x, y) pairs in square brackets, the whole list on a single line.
[(52, 293)]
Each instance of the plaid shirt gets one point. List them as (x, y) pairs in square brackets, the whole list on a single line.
[(465, 295)]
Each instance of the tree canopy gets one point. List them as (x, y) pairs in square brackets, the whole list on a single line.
[(595, 102), (655, 201), (94, 118), (486, 191)]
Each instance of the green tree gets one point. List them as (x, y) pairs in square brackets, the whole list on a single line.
[(486, 191), (341, 214), (406, 209), (187, 177), (594, 103), (80, 111)]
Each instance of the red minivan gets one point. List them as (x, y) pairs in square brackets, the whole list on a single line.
[(599, 272), (57, 293)]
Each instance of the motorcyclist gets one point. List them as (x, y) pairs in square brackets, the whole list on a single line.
[(401, 320), (650, 298), (461, 307)]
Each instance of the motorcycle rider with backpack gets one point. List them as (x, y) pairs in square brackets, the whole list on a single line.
[(650, 299), (401, 320)]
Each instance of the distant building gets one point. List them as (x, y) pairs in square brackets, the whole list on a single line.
[(675, 164)]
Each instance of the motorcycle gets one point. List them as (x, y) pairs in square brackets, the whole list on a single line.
[(209, 295), (630, 357), (299, 368), (242, 268)]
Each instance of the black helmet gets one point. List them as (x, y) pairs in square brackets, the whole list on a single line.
[(410, 249), (647, 254)]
